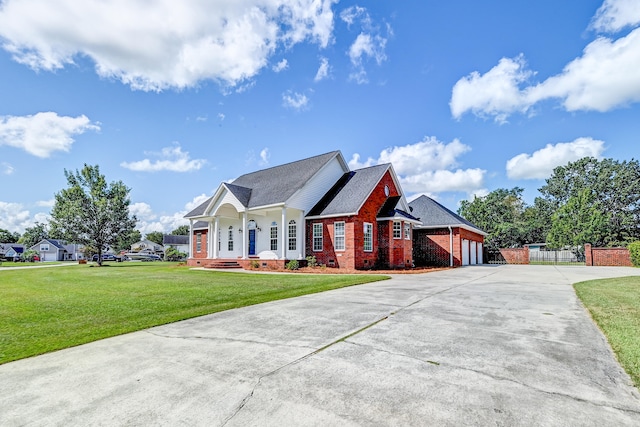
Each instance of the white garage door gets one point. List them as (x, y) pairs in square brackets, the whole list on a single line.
[(474, 253), (480, 259), (465, 252)]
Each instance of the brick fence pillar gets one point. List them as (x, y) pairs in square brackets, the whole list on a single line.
[(588, 254)]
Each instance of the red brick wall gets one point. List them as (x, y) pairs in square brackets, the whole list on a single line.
[(516, 255), (203, 250), (434, 245), (613, 257)]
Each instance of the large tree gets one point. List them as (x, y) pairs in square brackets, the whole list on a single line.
[(612, 189), (155, 237), (92, 212), (182, 230), (8, 237), (35, 234)]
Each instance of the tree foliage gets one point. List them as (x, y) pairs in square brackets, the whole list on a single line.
[(125, 241), (155, 237), (35, 234), (8, 237), (183, 230), (92, 212), (612, 190)]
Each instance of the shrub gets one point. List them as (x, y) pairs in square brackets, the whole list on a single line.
[(311, 261), (634, 253), (292, 265), (254, 264)]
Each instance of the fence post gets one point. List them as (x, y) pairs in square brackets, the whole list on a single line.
[(588, 255)]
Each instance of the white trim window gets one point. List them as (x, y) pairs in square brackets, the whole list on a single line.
[(44, 247), (368, 237), (274, 236), (198, 242), (293, 235), (230, 242), (397, 230), (338, 236), (317, 237), (407, 231)]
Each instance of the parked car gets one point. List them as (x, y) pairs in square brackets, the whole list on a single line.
[(107, 257)]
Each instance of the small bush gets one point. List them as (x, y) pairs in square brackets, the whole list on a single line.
[(311, 261), (634, 252), (254, 264), (292, 265)]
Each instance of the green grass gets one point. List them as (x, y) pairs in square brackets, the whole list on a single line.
[(47, 309), (614, 304), (9, 264)]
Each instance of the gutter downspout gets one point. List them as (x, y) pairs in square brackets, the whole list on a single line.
[(450, 247)]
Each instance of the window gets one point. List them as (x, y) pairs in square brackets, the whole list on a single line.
[(198, 242), (338, 235), (293, 233), (230, 244), (219, 239), (368, 237), (317, 237), (397, 230), (407, 231), (274, 236), (44, 248)]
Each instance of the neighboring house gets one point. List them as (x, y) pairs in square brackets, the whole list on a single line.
[(311, 207), (57, 250), (179, 243), (147, 246), (444, 238), (11, 251)]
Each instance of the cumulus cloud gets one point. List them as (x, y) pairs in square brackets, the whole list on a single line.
[(614, 15), (158, 44), (295, 100), (43, 133), (14, 217), (323, 70), (149, 221), (541, 163), (6, 168), (370, 43), (429, 166), (280, 66), (605, 77), (169, 159)]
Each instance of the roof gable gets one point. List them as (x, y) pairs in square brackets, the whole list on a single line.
[(434, 215)]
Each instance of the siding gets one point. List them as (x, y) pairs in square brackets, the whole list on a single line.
[(317, 186)]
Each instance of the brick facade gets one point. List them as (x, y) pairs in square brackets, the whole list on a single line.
[(516, 255), (202, 253), (613, 257), (386, 251), (432, 246)]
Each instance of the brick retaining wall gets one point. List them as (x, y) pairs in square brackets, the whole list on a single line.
[(613, 257)]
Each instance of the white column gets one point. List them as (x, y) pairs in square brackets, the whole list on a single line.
[(244, 235), (302, 238), (209, 239), (216, 233), (284, 233), (190, 238)]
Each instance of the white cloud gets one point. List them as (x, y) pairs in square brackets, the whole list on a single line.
[(323, 70), (614, 15), (149, 221), (46, 203), (280, 66), (6, 168), (14, 217), (43, 133), (603, 78), (159, 44), (429, 166), (264, 156), (171, 159), (541, 163), (221, 117), (295, 100)]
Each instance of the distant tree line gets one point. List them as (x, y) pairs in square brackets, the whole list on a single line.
[(586, 201)]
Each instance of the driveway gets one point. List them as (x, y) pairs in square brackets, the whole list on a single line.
[(486, 345)]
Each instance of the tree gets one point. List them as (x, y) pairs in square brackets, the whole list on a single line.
[(125, 242), (92, 212), (8, 237), (614, 188), (172, 254), (155, 237), (504, 216), (35, 234), (183, 230)]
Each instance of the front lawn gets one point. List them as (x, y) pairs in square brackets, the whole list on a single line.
[(615, 306), (47, 309)]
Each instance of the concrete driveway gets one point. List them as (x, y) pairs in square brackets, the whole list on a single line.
[(486, 345)]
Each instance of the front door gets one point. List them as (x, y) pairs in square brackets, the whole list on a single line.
[(252, 242)]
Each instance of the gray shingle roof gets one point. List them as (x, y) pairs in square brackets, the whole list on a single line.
[(170, 239), (350, 192), (434, 215), (200, 209), (390, 210)]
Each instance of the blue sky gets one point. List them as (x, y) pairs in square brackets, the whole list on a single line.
[(172, 98)]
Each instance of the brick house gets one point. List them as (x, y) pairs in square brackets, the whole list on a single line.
[(444, 238), (311, 207)]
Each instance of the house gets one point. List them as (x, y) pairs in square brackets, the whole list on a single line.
[(11, 251), (179, 243), (444, 238), (57, 250), (147, 246), (311, 207)]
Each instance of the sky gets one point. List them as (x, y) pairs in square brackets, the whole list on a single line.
[(172, 98)]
